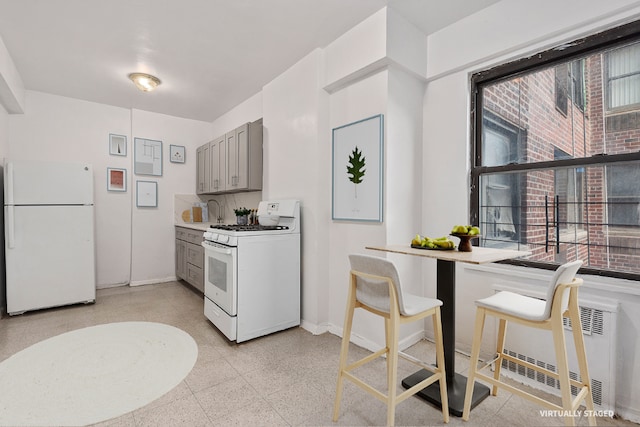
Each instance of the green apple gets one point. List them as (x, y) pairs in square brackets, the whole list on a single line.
[(473, 231)]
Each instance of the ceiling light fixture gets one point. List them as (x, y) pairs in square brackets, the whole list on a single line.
[(144, 82)]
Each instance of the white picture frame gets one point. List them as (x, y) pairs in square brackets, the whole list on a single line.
[(146, 194), (357, 169), (147, 157), (177, 153), (117, 144), (116, 179)]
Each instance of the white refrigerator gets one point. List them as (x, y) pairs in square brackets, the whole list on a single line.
[(49, 235)]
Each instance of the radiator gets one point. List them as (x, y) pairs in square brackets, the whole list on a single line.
[(535, 346)]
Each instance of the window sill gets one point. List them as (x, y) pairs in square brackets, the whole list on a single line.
[(599, 283)]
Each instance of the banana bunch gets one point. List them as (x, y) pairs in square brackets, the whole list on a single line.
[(432, 243)]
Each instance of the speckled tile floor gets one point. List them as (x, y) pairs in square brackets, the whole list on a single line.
[(285, 379)]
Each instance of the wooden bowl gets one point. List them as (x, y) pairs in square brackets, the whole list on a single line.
[(465, 241)]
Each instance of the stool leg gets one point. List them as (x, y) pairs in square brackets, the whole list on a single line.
[(581, 353), (563, 366), (392, 364), (475, 355), (344, 349), (437, 333), (502, 332)]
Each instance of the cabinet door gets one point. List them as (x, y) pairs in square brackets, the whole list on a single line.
[(237, 143), (195, 255), (181, 259), (242, 155), (195, 276), (199, 171), (202, 169), (231, 143), (218, 165), (206, 170)]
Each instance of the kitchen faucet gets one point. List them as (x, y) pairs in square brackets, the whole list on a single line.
[(220, 215)]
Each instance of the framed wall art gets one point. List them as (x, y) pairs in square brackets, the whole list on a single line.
[(116, 179), (117, 145), (147, 157), (146, 194), (176, 154), (357, 167)]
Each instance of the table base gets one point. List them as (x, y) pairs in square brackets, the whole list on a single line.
[(456, 389)]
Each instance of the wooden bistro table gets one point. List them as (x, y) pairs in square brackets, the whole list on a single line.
[(446, 292)]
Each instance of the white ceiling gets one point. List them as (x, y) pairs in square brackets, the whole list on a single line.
[(210, 54)]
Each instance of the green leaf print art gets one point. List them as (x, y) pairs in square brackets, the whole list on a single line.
[(356, 168)]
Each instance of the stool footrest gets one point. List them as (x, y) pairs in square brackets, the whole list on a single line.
[(518, 392), (529, 365)]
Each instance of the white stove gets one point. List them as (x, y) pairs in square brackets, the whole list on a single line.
[(252, 274)]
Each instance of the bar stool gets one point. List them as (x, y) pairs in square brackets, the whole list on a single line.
[(561, 301), (375, 287)]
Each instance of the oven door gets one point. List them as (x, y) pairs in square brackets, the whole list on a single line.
[(220, 275)]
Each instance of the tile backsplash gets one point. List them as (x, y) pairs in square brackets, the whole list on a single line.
[(229, 202)]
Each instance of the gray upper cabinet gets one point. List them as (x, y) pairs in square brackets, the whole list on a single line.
[(218, 165), (232, 162), (203, 167)]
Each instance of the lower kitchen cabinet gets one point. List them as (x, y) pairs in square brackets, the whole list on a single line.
[(190, 257)]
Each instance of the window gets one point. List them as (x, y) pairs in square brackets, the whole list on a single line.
[(623, 77), (556, 164), (569, 85)]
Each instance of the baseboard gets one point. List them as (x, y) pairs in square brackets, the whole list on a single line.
[(372, 346), (112, 285), (152, 281), (629, 414), (315, 329)]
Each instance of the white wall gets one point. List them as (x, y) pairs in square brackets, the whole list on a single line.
[(3, 150), (4, 139), (64, 129), (153, 236), (359, 100), (513, 28), (295, 163), (249, 111), (12, 93)]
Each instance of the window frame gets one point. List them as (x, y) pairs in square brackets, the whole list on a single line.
[(565, 52)]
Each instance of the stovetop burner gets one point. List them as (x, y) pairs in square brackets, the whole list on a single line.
[(257, 227)]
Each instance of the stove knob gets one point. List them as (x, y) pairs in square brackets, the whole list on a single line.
[(207, 235), (223, 238)]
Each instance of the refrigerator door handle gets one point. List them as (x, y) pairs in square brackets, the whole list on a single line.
[(11, 238), (9, 200)]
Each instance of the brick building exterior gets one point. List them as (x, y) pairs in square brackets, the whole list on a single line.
[(561, 112)]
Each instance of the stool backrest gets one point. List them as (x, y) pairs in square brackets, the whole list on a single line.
[(371, 291), (563, 275)]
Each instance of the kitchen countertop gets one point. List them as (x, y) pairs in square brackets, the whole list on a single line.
[(200, 226)]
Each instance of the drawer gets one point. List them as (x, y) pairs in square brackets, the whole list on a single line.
[(181, 233), (195, 255), (194, 236), (221, 320), (195, 276)]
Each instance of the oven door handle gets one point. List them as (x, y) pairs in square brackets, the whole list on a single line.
[(225, 251)]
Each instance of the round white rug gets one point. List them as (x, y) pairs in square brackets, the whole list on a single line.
[(93, 374)]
